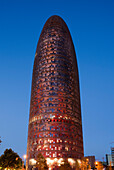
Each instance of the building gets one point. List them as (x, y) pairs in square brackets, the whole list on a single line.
[(109, 160), (112, 154), (91, 161), (55, 125)]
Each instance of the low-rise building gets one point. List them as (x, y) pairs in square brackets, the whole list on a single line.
[(91, 161)]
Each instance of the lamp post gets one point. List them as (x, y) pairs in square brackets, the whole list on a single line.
[(24, 156), (96, 164)]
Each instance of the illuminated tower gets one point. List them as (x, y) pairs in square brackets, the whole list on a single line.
[(55, 126)]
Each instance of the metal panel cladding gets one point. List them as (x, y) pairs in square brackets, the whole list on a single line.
[(55, 126)]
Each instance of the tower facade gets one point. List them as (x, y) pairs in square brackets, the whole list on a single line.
[(55, 125)]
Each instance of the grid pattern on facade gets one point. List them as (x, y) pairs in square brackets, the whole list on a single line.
[(55, 127)]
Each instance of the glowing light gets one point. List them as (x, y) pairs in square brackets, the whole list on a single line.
[(24, 156), (71, 161), (55, 159), (50, 168), (96, 163), (32, 161), (51, 162), (60, 160), (79, 161)]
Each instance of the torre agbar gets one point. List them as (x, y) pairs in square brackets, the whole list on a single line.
[(55, 125)]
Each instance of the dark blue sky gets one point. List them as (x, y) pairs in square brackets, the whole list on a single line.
[(91, 24)]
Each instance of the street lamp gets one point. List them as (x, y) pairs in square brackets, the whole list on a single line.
[(24, 156), (96, 164)]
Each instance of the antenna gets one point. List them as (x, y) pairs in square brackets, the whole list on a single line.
[(0, 140)]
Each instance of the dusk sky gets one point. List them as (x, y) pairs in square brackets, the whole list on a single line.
[(91, 24)]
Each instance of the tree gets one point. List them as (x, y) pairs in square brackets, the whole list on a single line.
[(85, 165), (77, 166), (82, 164), (110, 167), (10, 160), (99, 165), (41, 162), (65, 166)]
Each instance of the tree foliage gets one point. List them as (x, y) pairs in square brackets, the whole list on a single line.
[(77, 166), (82, 164), (65, 166), (99, 166), (41, 162), (10, 160)]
